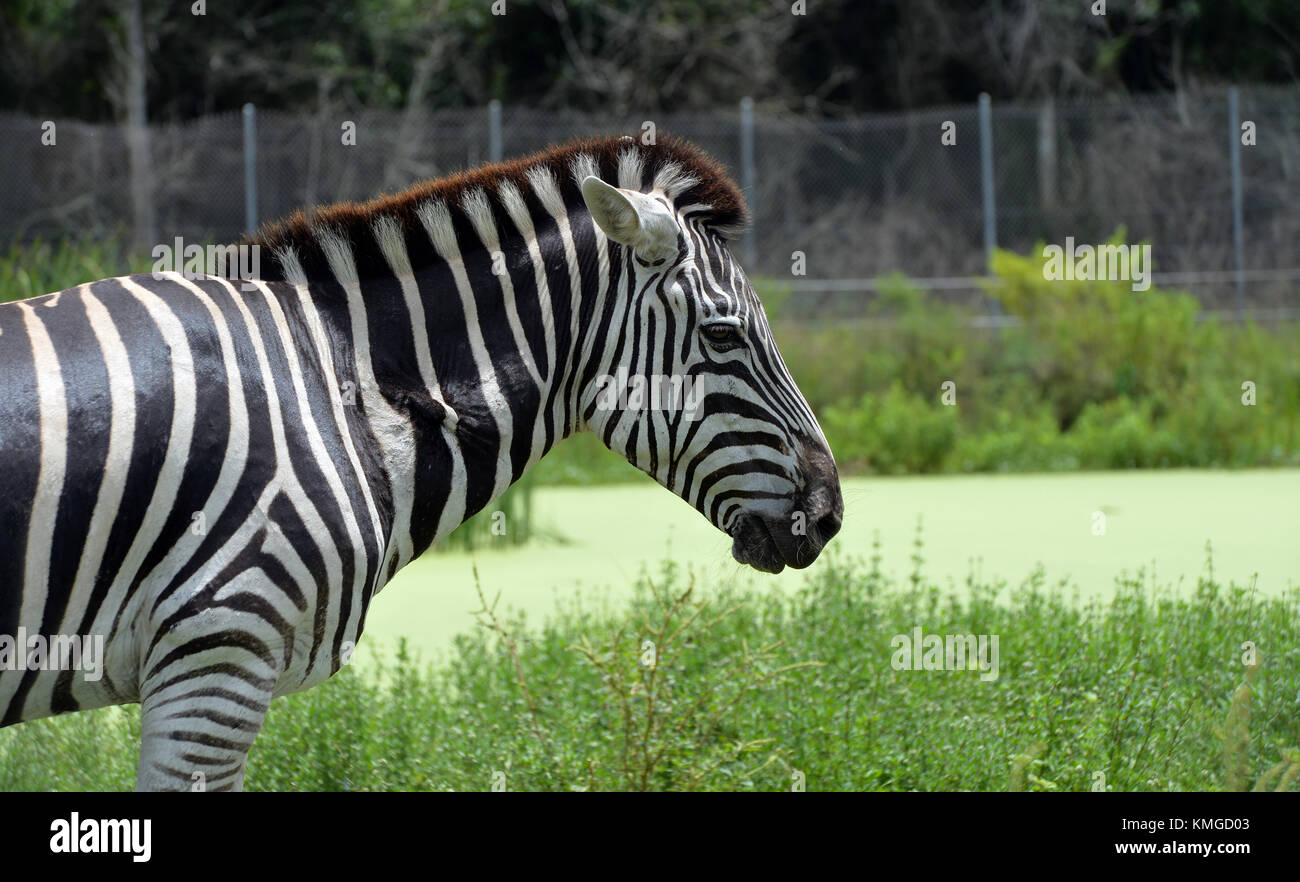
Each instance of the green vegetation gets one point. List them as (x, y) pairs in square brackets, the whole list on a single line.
[(61, 57), (1095, 376), (685, 689), (35, 268)]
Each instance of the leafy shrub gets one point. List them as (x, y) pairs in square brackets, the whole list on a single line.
[(1096, 375), (677, 688), (896, 433), (1087, 342)]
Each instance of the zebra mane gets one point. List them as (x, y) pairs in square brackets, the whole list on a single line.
[(304, 242)]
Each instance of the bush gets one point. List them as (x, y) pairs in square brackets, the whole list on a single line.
[(1096, 375), (681, 689), (893, 434), (1086, 342)]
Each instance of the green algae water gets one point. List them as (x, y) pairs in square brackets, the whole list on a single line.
[(1084, 527)]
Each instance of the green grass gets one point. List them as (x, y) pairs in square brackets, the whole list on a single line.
[(40, 267), (1145, 690)]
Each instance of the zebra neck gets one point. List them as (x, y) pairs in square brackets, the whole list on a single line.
[(470, 369)]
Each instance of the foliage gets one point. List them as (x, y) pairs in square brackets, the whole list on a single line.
[(1094, 375), (893, 434), (680, 689), (61, 58), (1090, 341), (36, 268)]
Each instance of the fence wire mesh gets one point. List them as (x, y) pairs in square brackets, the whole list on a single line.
[(861, 197)]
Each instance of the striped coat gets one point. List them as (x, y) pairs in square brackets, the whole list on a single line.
[(204, 481)]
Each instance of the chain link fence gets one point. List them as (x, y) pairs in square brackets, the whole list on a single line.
[(860, 197)]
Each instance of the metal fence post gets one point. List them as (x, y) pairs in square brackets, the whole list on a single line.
[(495, 150), (747, 173), (1047, 156), (250, 168), (986, 186), (1234, 122)]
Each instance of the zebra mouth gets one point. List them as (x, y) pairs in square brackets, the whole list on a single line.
[(753, 543)]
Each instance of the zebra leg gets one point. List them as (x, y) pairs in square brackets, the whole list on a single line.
[(204, 697), (198, 738)]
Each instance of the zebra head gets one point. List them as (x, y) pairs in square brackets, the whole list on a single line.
[(692, 389)]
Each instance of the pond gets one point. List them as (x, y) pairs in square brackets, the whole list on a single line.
[(1084, 526)]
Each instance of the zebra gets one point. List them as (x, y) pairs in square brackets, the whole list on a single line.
[(213, 476)]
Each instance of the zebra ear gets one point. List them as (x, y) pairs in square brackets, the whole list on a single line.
[(631, 218)]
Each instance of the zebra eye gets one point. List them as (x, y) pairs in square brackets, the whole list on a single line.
[(722, 336)]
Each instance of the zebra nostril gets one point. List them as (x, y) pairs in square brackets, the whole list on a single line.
[(828, 525)]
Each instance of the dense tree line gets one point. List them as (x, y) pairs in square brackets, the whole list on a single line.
[(83, 58)]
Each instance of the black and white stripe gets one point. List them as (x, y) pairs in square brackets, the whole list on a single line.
[(217, 475)]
